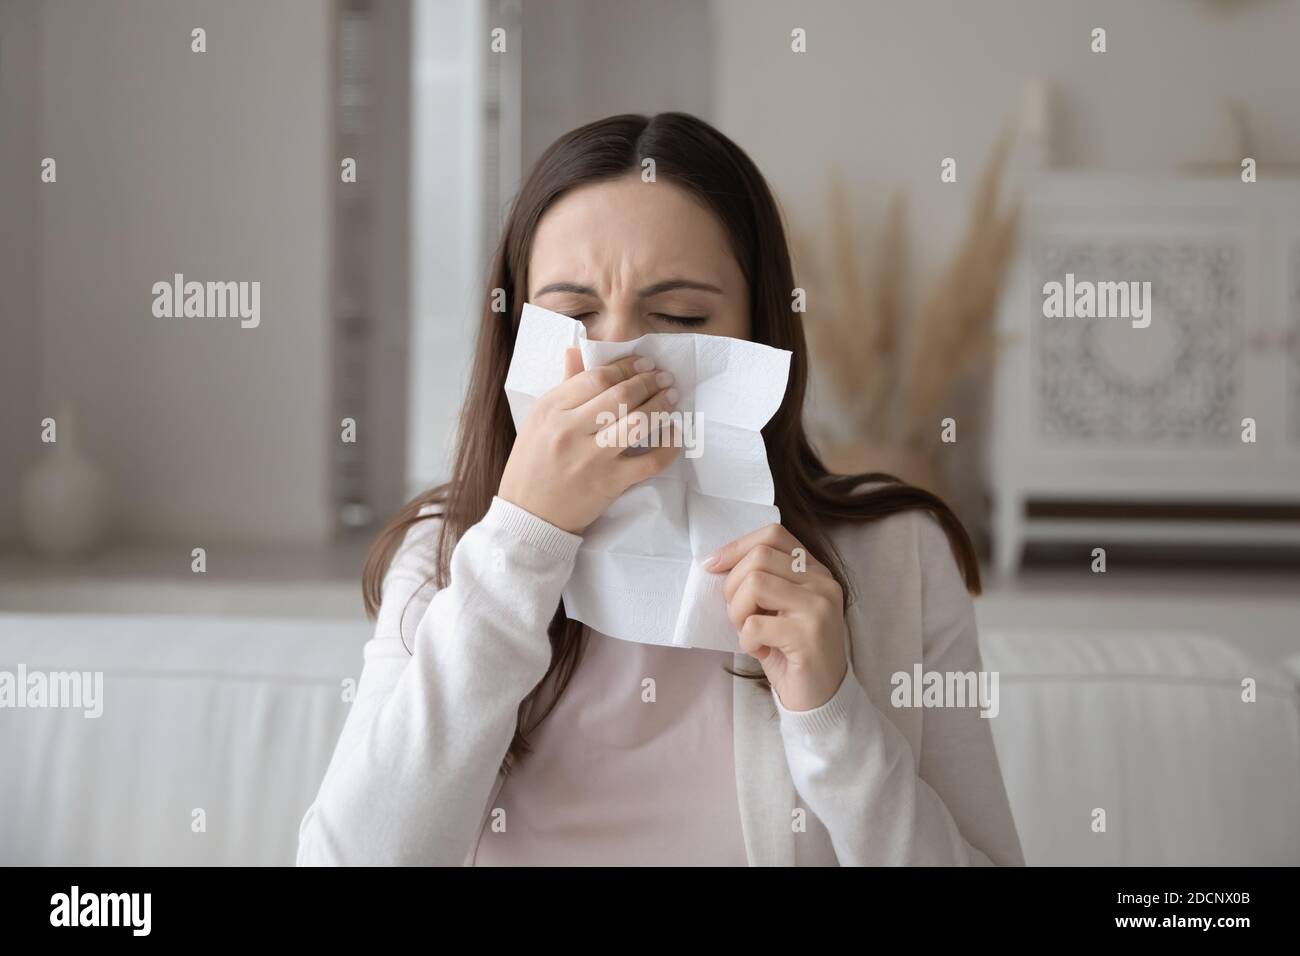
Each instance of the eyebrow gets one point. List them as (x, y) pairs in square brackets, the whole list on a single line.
[(668, 285)]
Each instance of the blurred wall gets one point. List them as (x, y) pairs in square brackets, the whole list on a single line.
[(209, 164), (885, 91), (19, 279), (587, 59)]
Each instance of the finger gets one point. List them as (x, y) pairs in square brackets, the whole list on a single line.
[(763, 557), (762, 591), (572, 362), (623, 398), (631, 469), (584, 386), (762, 633), (772, 535), (644, 425)]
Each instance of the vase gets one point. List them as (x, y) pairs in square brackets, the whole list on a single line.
[(64, 496)]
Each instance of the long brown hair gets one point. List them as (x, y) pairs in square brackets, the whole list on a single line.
[(698, 158)]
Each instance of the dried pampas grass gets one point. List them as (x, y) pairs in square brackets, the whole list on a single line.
[(856, 337), (890, 390)]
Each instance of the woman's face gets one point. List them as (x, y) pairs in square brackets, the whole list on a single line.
[(627, 258)]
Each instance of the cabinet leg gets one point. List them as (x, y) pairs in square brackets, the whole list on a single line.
[(1008, 543)]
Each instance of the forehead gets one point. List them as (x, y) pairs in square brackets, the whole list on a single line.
[(632, 228)]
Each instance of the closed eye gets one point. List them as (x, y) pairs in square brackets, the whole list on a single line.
[(686, 320)]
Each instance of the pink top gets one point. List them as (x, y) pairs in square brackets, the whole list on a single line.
[(616, 779)]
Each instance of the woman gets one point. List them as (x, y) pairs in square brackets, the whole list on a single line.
[(488, 729)]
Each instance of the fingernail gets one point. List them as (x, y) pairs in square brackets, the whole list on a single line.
[(671, 395), (710, 561), (664, 379), (643, 364)]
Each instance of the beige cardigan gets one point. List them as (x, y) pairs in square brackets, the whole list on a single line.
[(416, 769)]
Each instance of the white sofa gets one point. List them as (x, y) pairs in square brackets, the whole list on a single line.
[(1153, 729), (237, 717)]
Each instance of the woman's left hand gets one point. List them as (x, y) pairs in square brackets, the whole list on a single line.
[(789, 612)]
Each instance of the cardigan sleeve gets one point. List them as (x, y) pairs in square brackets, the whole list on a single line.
[(856, 771), (415, 763)]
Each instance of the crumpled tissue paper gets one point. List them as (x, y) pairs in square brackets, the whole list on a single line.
[(638, 574)]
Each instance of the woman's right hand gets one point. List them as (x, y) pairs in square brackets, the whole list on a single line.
[(565, 467)]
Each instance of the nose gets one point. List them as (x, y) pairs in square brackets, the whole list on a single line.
[(616, 324)]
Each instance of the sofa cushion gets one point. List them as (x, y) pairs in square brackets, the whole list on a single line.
[(1151, 728)]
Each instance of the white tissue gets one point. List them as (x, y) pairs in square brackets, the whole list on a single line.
[(638, 574)]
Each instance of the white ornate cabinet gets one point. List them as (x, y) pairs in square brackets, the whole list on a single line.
[(1091, 413)]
